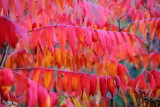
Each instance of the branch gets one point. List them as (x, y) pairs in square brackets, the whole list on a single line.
[(137, 21), (48, 69), (135, 56), (20, 75), (157, 46)]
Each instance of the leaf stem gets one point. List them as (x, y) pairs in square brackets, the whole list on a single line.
[(112, 104)]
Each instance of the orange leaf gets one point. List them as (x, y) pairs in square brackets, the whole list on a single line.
[(75, 77), (36, 75), (80, 35), (134, 28), (5, 90), (47, 78), (63, 80), (70, 2), (142, 28), (61, 4), (145, 60), (152, 28)]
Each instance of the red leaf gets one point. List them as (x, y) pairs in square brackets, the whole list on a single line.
[(9, 31), (80, 35), (47, 36), (43, 97), (103, 85), (93, 84), (132, 83), (120, 83), (156, 76), (151, 80), (83, 80), (6, 77), (111, 85), (5, 5), (101, 35), (6, 81), (87, 36), (109, 42), (122, 72), (19, 7), (20, 82), (3, 32), (141, 82), (72, 38), (34, 38), (31, 93), (61, 36)]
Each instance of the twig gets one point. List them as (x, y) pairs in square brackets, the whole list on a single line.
[(112, 103), (119, 24), (4, 56)]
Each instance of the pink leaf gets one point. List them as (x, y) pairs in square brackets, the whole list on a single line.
[(43, 97), (31, 93)]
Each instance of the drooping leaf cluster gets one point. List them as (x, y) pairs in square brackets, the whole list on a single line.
[(77, 53)]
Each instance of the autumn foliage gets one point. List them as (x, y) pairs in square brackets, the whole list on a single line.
[(74, 53)]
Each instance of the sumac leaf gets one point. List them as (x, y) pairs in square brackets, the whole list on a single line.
[(31, 93), (103, 85), (93, 84)]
